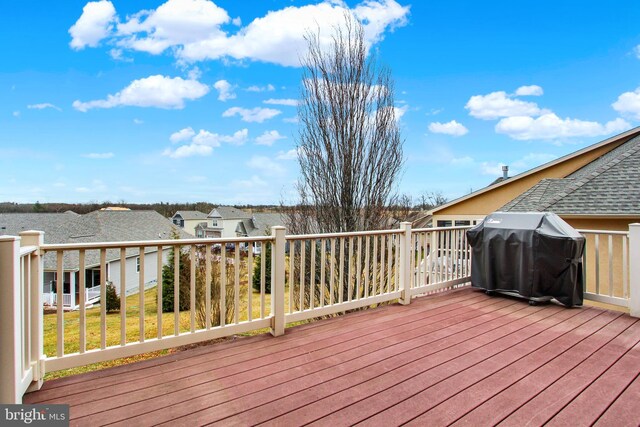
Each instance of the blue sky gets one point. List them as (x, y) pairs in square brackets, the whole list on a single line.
[(194, 100)]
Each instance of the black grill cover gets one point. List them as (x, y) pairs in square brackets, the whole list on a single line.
[(535, 255)]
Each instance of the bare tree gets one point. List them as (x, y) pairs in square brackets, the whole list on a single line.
[(349, 143), (350, 154), (431, 199)]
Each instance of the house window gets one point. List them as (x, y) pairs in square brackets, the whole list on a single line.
[(460, 223), (137, 264), (214, 222), (444, 223)]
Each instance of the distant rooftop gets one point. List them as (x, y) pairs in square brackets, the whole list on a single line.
[(96, 226), (228, 212), (190, 215)]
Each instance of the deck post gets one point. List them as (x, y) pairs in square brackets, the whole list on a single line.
[(634, 269), (277, 280), (36, 238), (10, 314), (405, 263)]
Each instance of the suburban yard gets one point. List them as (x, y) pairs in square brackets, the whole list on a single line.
[(72, 328)]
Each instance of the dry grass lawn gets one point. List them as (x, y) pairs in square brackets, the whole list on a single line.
[(72, 328)]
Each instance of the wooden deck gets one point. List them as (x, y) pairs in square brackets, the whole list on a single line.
[(459, 358)]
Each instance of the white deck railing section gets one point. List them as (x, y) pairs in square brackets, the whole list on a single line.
[(606, 266), (446, 266), (209, 295)]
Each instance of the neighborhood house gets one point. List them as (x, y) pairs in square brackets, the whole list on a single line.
[(97, 226)]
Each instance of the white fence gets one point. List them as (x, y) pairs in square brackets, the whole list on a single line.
[(209, 295)]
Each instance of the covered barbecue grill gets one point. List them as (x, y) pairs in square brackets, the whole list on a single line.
[(534, 255)]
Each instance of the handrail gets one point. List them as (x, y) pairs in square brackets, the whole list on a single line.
[(153, 243), (428, 229), (613, 232), (341, 234), (27, 250)]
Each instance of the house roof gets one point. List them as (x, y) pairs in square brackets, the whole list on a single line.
[(260, 224), (609, 185), (191, 215), (97, 226), (498, 183), (228, 212)]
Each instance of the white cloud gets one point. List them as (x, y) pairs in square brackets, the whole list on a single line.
[(532, 90), (153, 91), (550, 126), (225, 90), (278, 37), (629, 103), (202, 143), (265, 165), (293, 119), (117, 55), (257, 114), (267, 88), (636, 51), (287, 155), (499, 104), (174, 23), (182, 135), (138, 121), (99, 155), (398, 112), (214, 139), (188, 151), (450, 128), (193, 29), (95, 24), (16, 113), (290, 102), (43, 106), (269, 137)]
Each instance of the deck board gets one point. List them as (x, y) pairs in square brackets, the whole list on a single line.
[(457, 357)]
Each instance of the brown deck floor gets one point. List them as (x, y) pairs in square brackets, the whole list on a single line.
[(459, 358)]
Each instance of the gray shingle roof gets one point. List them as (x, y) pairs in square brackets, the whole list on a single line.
[(228, 212), (189, 215), (260, 224), (609, 185), (97, 226)]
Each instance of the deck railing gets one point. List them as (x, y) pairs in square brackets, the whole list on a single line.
[(607, 265), (21, 355), (207, 289)]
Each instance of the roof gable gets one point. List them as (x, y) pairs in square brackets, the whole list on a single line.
[(612, 142), (609, 185), (190, 215), (228, 212)]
